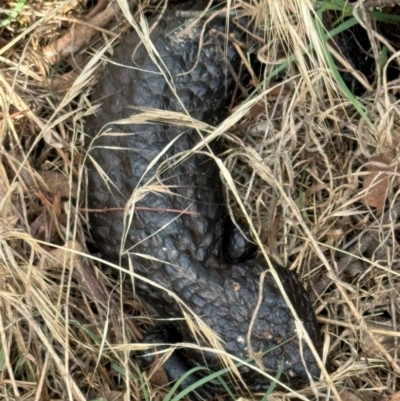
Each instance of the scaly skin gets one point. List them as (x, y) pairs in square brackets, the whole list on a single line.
[(187, 248)]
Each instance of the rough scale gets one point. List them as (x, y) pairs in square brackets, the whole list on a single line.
[(186, 249)]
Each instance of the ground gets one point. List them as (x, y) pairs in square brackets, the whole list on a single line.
[(312, 151)]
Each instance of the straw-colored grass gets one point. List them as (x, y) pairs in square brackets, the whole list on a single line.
[(310, 167)]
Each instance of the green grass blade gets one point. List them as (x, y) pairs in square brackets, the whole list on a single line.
[(341, 28), (13, 14), (272, 386), (320, 29), (181, 380)]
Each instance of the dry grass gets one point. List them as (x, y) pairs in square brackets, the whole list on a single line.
[(299, 166)]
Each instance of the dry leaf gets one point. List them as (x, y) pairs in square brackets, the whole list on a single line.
[(52, 181), (78, 35), (393, 397), (257, 109), (386, 340), (7, 209), (38, 226), (57, 205), (115, 396), (58, 183), (347, 395), (273, 231), (377, 182), (59, 258), (157, 376)]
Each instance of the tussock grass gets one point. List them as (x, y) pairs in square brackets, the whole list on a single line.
[(302, 154)]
